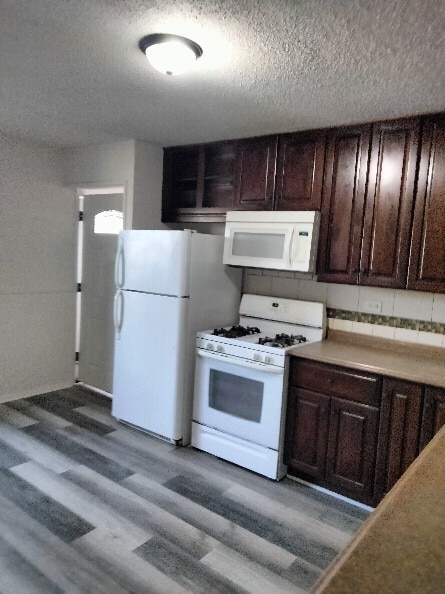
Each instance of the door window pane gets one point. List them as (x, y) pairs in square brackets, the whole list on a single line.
[(237, 396), (109, 222), (258, 245)]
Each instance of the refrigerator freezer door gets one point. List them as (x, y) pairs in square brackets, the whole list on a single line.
[(154, 262), (149, 363)]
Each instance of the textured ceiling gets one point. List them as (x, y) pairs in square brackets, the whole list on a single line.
[(71, 72)]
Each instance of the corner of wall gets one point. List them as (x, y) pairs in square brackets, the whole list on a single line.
[(147, 191)]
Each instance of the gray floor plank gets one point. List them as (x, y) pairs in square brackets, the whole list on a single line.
[(9, 456), (318, 505), (99, 414), (300, 544), (131, 457), (14, 417), (38, 413), (228, 533), (143, 512), (127, 568), (88, 504), (252, 576), (62, 443), (49, 512), (327, 535), (56, 560), (83, 504), (19, 576), (33, 449), (185, 569)]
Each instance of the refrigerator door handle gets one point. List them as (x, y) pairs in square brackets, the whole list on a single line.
[(118, 313), (119, 267)]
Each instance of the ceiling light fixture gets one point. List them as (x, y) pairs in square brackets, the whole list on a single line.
[(170, 54)]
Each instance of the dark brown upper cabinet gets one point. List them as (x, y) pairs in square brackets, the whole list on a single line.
[(198, 182), (343, 201), (427, 264), (255, 173), (300, 166), (389, 203)]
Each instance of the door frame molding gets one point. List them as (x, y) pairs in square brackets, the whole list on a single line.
[(81, 192)]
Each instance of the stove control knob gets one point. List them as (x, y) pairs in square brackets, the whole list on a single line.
[(268, 359), (220, 348), (210, 346), (257, 357)]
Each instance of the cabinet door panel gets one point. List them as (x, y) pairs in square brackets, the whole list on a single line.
[(427, 265), (306, 431), (351, 447), (342, 204), (399, 431), (218, 190), (300, 171), (255, 173), (389, 203), (433, 414)]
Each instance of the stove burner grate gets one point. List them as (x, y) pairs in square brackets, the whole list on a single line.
[(236, 331), (282, 340)]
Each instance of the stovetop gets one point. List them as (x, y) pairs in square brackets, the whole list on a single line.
[(280, 340), (268, 327)]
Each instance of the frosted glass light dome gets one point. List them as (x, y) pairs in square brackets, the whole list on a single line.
[(170, 54)]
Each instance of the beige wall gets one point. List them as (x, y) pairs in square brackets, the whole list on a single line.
[(37, 270)]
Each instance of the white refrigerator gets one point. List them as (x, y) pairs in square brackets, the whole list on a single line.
[(169, 286)]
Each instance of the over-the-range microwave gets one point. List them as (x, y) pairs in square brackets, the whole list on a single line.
[(281, 240)]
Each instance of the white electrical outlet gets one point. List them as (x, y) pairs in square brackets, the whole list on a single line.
[(372, 306)]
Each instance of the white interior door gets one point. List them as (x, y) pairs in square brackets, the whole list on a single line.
[(101, 221)]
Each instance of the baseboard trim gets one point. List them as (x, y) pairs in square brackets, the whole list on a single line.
[(332, 493), (94, 389)]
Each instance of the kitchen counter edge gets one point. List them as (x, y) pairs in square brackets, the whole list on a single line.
[(401, 546), (409, 362)]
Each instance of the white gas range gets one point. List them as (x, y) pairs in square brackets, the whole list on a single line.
[(241, 381)]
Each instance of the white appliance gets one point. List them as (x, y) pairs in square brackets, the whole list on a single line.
[(170, 284), (241, 381), (283, 240)]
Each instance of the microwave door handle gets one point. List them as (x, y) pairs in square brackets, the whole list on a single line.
[(240, 362), (291, 247)]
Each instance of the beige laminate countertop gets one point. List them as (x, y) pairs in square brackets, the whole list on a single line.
[(416, 363), (401, 546)]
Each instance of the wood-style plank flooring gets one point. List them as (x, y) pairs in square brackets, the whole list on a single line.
[(91, 505)]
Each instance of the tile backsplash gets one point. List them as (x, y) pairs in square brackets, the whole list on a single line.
[(409, 316)]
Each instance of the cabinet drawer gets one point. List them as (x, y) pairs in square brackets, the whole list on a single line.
[(336, 381)]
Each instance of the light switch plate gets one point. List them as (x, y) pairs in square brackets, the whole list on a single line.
[(372, 306)]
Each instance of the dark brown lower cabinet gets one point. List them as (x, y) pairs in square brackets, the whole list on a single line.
[(307, 431), (356, 433), (352, 446), (332, 427), (399, 434), (433, 414)]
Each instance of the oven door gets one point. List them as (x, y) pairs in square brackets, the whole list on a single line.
[(239, 397)]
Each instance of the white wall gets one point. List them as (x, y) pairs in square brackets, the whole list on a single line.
[(109, 164), (37, 270), (134, 164), (147, 186), (408, 316)]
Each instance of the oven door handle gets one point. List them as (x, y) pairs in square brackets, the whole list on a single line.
[(240, 362)]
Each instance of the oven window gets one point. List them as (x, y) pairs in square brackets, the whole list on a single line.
[(235, 395), (259, 245)]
